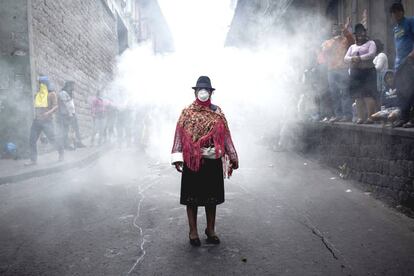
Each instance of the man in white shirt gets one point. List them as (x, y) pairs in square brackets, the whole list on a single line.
[(67, 115)]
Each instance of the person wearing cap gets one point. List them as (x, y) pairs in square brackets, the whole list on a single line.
[(67, 116), (45, 106), (363, 75), (202, 147)]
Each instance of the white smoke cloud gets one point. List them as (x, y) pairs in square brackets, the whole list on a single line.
[(257, 89)]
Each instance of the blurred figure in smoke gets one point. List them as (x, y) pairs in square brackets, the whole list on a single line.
[(45, 105), (404, 63), (323, 99), (138, 113), (111, 115), (363, 75), (66, 116), (333, 51), (98, 110), (124, 123), (202, 143), (147, 124), (313, 86)]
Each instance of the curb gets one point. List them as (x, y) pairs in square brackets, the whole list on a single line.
[(51, 170)]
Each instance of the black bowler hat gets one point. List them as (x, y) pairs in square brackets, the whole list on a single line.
[(204, 82)]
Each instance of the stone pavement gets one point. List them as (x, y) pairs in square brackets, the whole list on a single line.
[(283, 215), (15, 170)]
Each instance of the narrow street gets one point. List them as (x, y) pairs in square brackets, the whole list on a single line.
[(283, 215), (312, 102)]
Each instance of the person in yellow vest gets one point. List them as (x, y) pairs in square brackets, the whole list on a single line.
[(45, 105)]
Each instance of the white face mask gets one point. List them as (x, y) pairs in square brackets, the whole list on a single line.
[(203, 95)]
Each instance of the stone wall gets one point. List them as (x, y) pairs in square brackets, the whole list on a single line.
[(15, 85), (380, 158), (75, 40)]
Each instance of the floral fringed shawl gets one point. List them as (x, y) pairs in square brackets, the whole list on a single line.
[(198, 127)]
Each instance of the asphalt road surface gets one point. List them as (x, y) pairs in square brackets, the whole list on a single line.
[(283, 215)]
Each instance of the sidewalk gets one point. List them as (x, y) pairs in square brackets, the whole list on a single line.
[(373, 128), (15, 170)]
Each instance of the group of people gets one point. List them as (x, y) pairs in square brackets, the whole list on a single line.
[(108, 119), (361, 87), (113, 121), (203, 150), (47, 104)]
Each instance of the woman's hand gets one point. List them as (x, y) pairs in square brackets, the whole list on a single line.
[(355, 59), (179, 166), (234, 164)]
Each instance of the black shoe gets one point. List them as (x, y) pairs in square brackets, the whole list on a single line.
[(195, 242), (212, 239)]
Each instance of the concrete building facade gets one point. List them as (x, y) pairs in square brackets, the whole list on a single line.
[(65, 40)]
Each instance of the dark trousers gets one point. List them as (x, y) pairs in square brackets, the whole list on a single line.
[(404, 81), (338, 81), (324, 105), (75, 126), (99, 124), (65, 123), (48, 129), (63, 129)]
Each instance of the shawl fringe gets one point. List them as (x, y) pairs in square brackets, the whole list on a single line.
[(192, 149)]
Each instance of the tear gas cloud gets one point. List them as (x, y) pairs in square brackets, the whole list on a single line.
[(257, 88)]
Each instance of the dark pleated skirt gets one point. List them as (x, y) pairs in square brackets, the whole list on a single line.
[(205, 187), (363, 83)]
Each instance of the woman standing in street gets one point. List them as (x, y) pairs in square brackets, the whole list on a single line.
[(202, 147)]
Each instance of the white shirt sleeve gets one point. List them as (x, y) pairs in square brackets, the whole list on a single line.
[(381, 62), (176, 157), (70, 105), (348, 56)]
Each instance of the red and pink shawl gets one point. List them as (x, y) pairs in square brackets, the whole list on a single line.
[(199, 126)]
